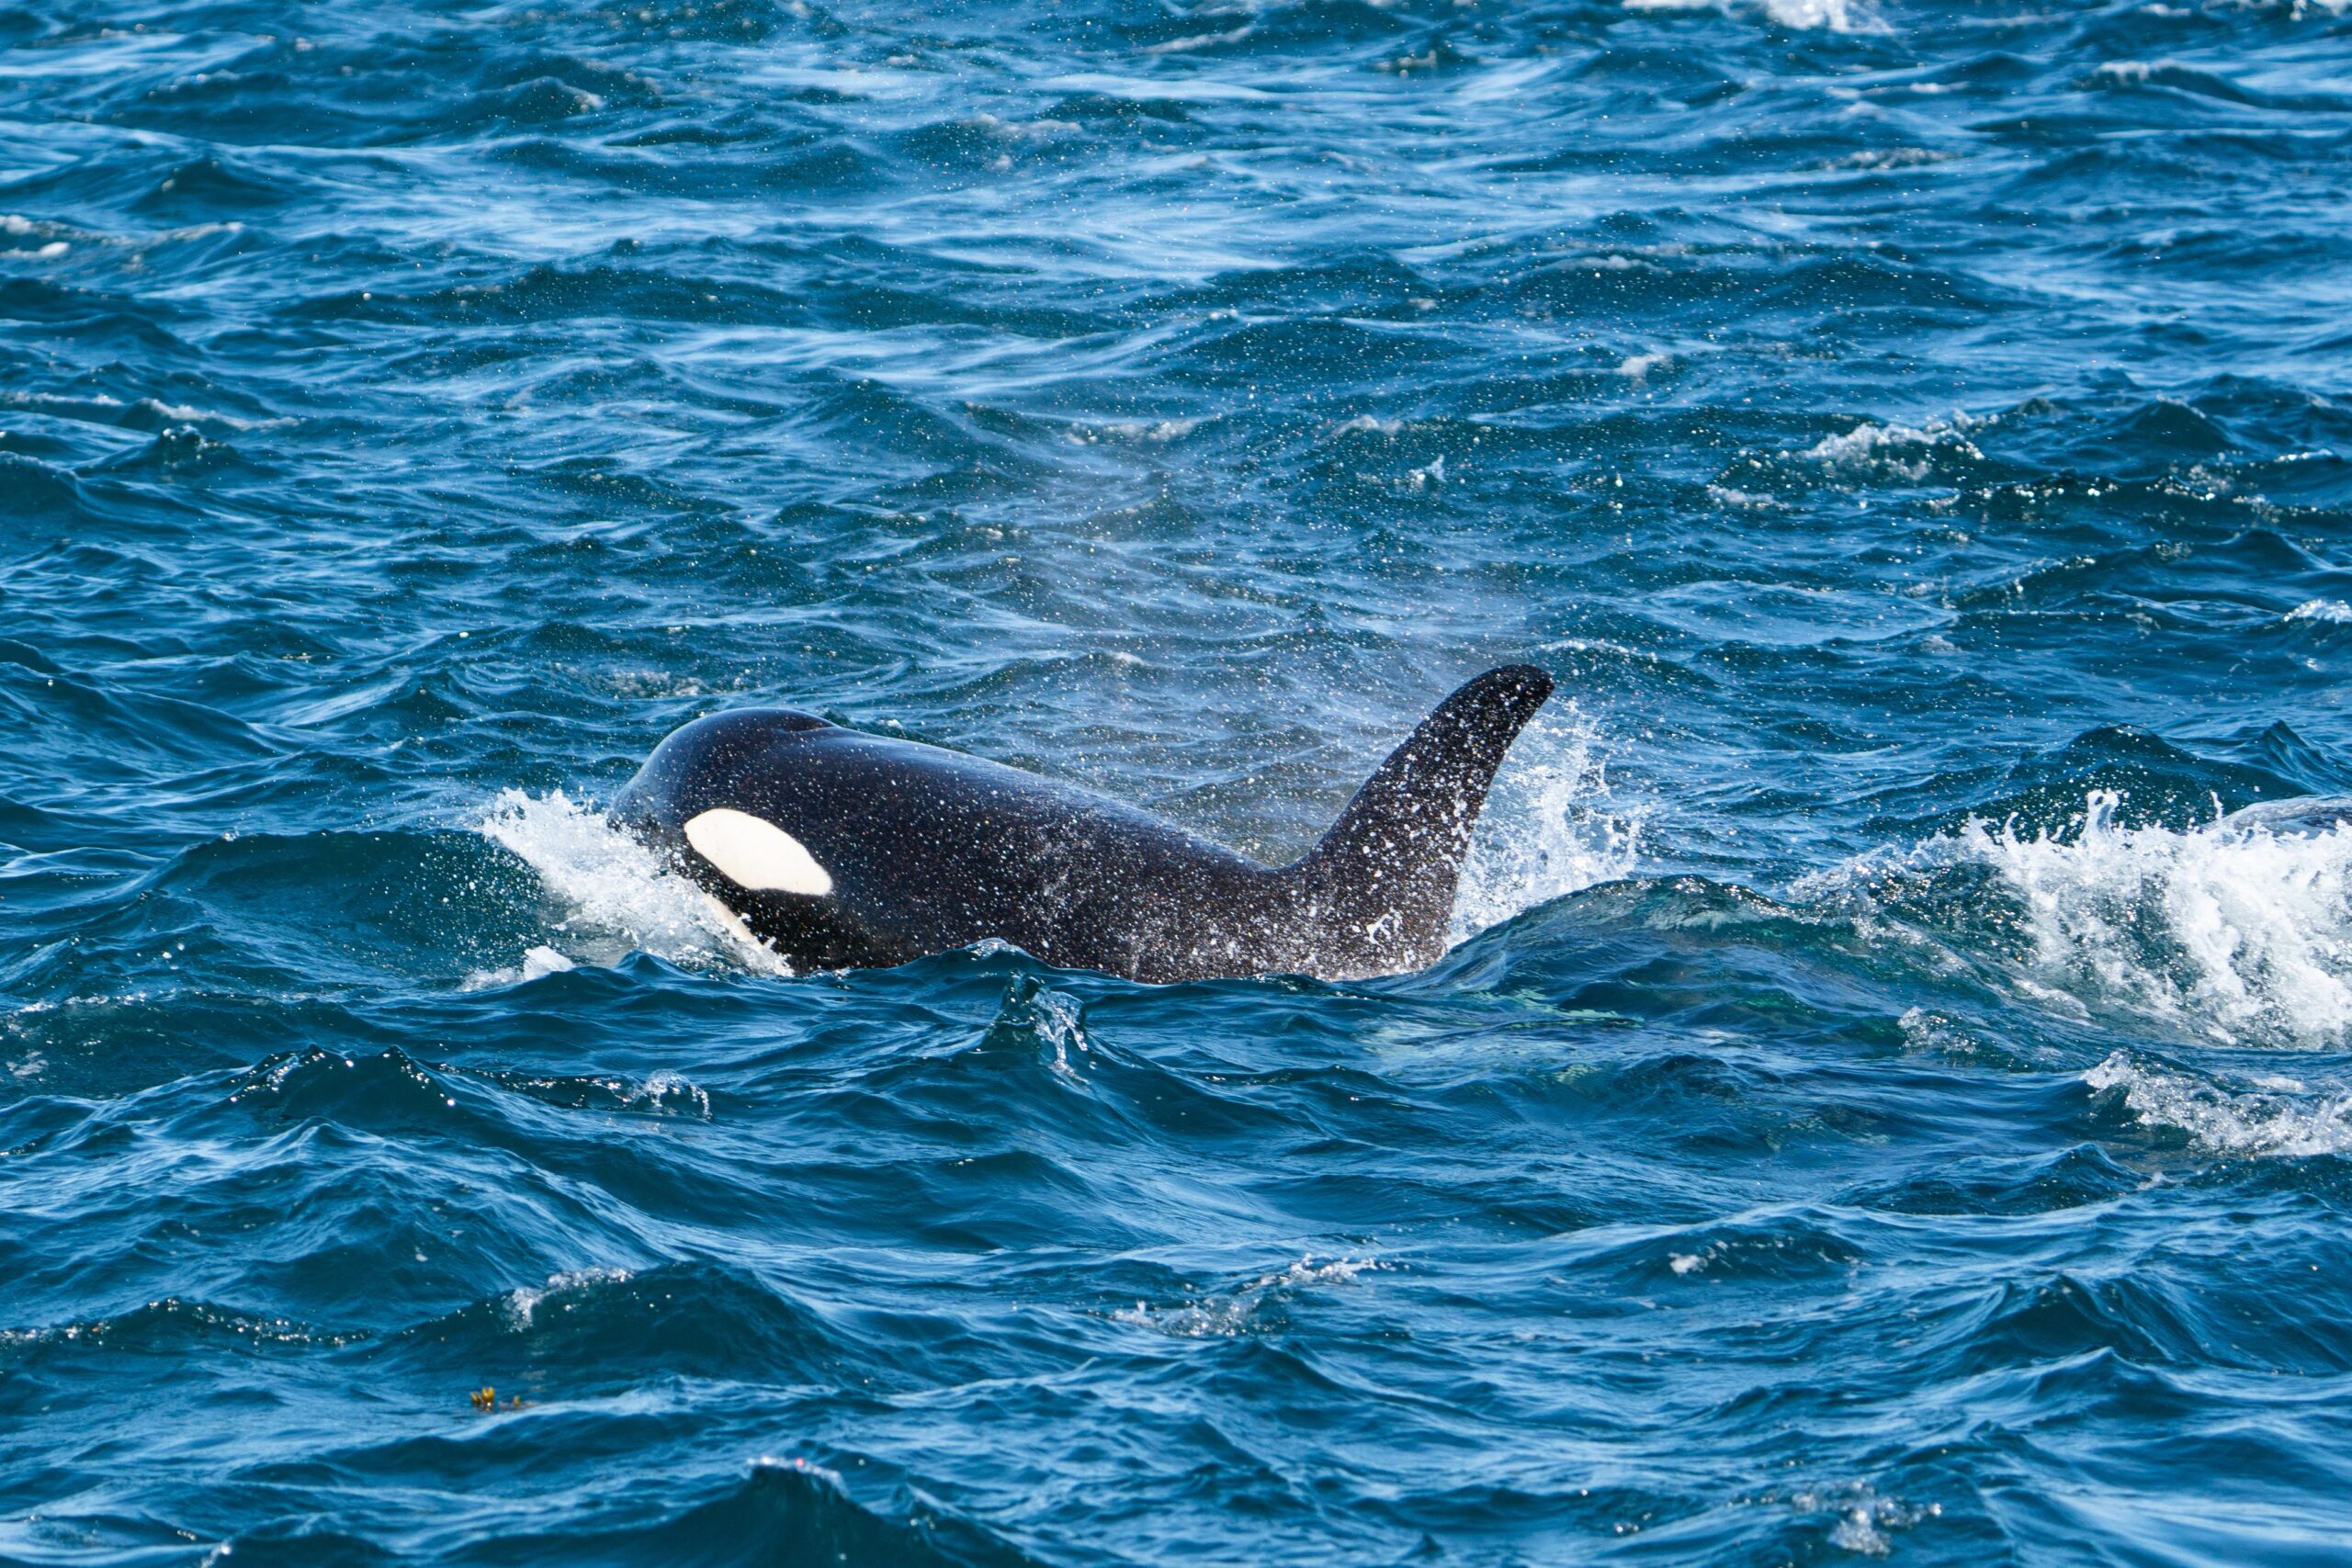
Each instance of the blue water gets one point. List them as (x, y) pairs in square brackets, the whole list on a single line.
[(1893, 1095)]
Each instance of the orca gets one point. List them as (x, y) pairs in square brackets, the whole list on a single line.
[(840, 848)]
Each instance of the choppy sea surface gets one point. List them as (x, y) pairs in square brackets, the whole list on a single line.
[(1892, 1094)]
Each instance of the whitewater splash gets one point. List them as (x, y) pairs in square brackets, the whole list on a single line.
[(1225, 1315), (1551, 828), (1800, 15), (2278, 1117), (615, 895), (521, 1305), (2238, 932)]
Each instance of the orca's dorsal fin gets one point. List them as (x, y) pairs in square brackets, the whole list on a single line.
[(1384, 874)]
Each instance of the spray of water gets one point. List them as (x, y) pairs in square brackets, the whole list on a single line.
[(2239, 930), (612, 894), (2283, 1117), (1551, 828)]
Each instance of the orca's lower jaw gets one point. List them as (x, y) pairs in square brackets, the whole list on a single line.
[(809, 933)]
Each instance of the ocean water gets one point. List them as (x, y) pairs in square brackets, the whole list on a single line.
[(1892, 1094)]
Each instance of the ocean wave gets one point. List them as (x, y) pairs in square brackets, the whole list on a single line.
[(1222, 1314), (1832, 16), (2238, 930), (788, 1509), (1890, 425), (2286, 1117)]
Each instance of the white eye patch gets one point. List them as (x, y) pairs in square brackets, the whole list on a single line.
[(757, 855)]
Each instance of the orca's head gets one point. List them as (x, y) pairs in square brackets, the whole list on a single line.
[(713, 761), (750, 723), (707, 798)]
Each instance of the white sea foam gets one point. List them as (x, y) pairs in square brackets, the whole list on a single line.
[(1140, 430), (2240, 929), (539, 961), (536, 962), (1834, 15), (1637, 367), (1227, 1314), (2282, 1116), (185, 413), (665, 1088), (522, 1303), (1837, 16), (1865, 440), (1864, 1516), (1038, 130), (1880, 158), (1199, 40), (1550, 828), (614, 893), (794, 1463), (2335, 612), (1901, 448), (81, 408)]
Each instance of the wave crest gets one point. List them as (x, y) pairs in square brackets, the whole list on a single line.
[(2238, 931), (2281, 1118)]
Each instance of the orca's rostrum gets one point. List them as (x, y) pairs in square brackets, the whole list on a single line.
[(842, 849)]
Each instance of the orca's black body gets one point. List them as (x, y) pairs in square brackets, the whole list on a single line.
[(904, 849)]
